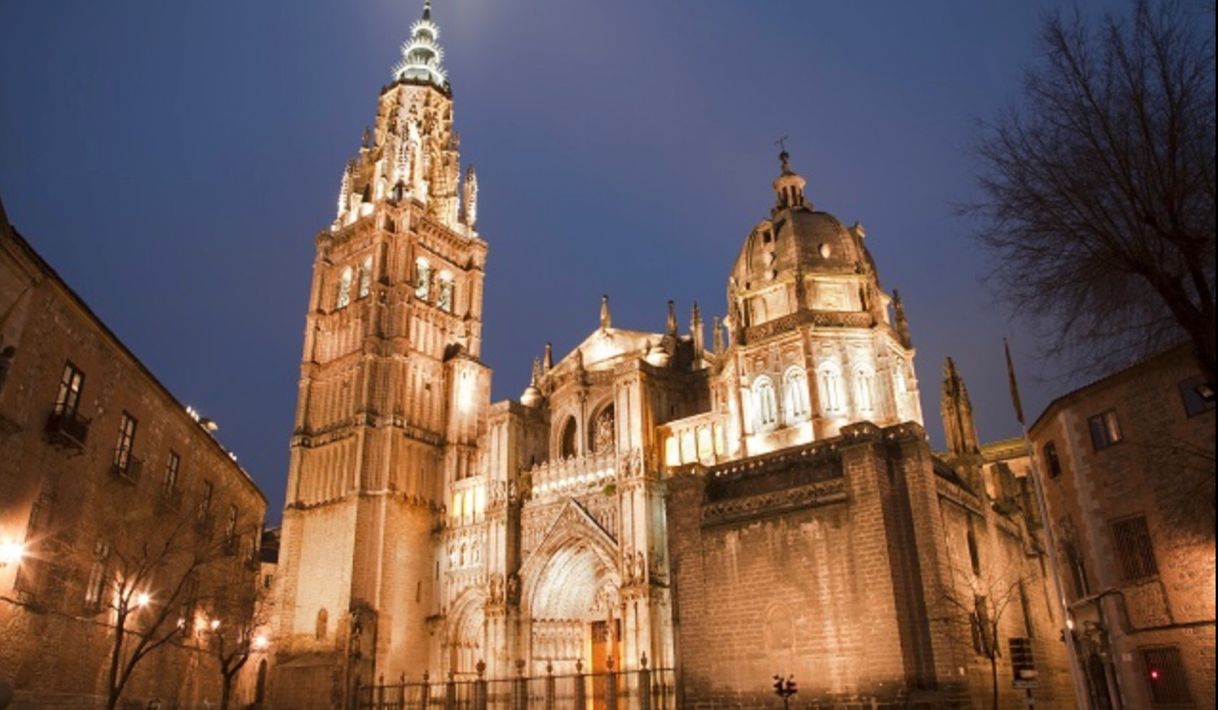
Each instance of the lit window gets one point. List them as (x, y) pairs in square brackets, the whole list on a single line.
[(422, 279), (68, 400), (171, 473), (766, 403), (864, 389), (795, 395), (365, 277), (832, 396), (1105, 429), (344, 288), (672, 451), (126, 440)]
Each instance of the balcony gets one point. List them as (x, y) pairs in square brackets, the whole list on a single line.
[(127, 468), (66, 429)]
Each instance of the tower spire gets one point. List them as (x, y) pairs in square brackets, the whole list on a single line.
[(789, 185), (606, 316), (422, 56)]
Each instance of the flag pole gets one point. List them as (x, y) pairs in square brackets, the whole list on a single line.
[(1076, 675)]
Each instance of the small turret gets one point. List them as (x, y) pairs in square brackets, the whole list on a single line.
[(670, 328), (788, 187), (695, 330), (902, 325), (469, 196), (717, 336)]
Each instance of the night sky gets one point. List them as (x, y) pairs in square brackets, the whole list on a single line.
[(173, 161)]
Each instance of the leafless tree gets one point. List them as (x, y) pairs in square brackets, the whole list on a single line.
[(149, 583), (1097, 208), (236, 628), (982, 601)]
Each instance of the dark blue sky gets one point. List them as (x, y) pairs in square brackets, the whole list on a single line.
[(174, 160)]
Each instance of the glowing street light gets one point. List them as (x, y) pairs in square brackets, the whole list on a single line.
[(215, 624), (142, 599), (260, 642), (11, 552)]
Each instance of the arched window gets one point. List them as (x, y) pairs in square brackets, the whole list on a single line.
[(422, 279), (444, 299), (365, 277), (832, 395), (568, 438), (766, 403), (344, 288), (864, 389), (795, 395), (323, 620)]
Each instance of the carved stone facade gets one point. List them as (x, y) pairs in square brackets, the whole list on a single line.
[(453, 532)]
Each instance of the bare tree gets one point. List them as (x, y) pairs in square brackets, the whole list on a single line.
[(1098, 192), (236, 628), (148, 581), (982, 601)]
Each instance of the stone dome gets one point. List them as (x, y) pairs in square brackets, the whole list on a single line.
[(799, 239)]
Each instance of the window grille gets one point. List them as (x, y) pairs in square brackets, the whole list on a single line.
[(1165, 675), (1134, 549)]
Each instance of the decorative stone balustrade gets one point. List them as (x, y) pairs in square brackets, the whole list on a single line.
[(574, 475), (698, 439)]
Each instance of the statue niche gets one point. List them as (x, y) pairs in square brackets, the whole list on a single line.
[(601, 439)]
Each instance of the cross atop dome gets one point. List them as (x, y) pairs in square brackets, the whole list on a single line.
[(422, 56), (789, 185)]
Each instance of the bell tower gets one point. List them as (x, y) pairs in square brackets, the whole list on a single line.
[(392, 395)]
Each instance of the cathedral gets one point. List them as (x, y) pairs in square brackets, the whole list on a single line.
[(764, 503)]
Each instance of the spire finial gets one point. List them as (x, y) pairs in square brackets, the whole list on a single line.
[(783, 156), (606, 316), (426, 9)]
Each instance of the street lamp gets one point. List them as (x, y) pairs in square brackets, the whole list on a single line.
[(11, 552), (142, 599), (261, 642)]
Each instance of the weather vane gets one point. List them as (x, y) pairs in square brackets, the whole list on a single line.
[(781, 143)]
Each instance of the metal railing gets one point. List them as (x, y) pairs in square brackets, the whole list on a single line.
[(642, 689), (65, 427)]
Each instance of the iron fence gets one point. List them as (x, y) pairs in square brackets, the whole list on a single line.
[(643, 689)]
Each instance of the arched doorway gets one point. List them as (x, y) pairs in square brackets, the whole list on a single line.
[(260, 684)]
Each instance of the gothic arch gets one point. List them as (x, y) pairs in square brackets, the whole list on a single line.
[(573, 569), (465, 631), (597, 442)]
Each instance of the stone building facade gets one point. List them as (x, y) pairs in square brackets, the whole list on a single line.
[(1129, 470), (767, 501), (98, 459)]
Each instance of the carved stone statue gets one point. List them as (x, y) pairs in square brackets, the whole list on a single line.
[(602, 438)]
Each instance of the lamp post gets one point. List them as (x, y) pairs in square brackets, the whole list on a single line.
[(785, 688), (11, 552)]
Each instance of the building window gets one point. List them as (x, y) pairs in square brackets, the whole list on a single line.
[(365, 277), (864, 390), (1052, 463), (1105, 429), (189, 599), (1078, 570), (171, 474), (567, 444), (68, 399), (422, 279), (99, 577), (1165, 675), (344, 288), (795, 395), (444, 298), (126, 440), (832, 396), (1197, 395), (205, 500), (230, 526), (766, 403), (1134, 550)]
